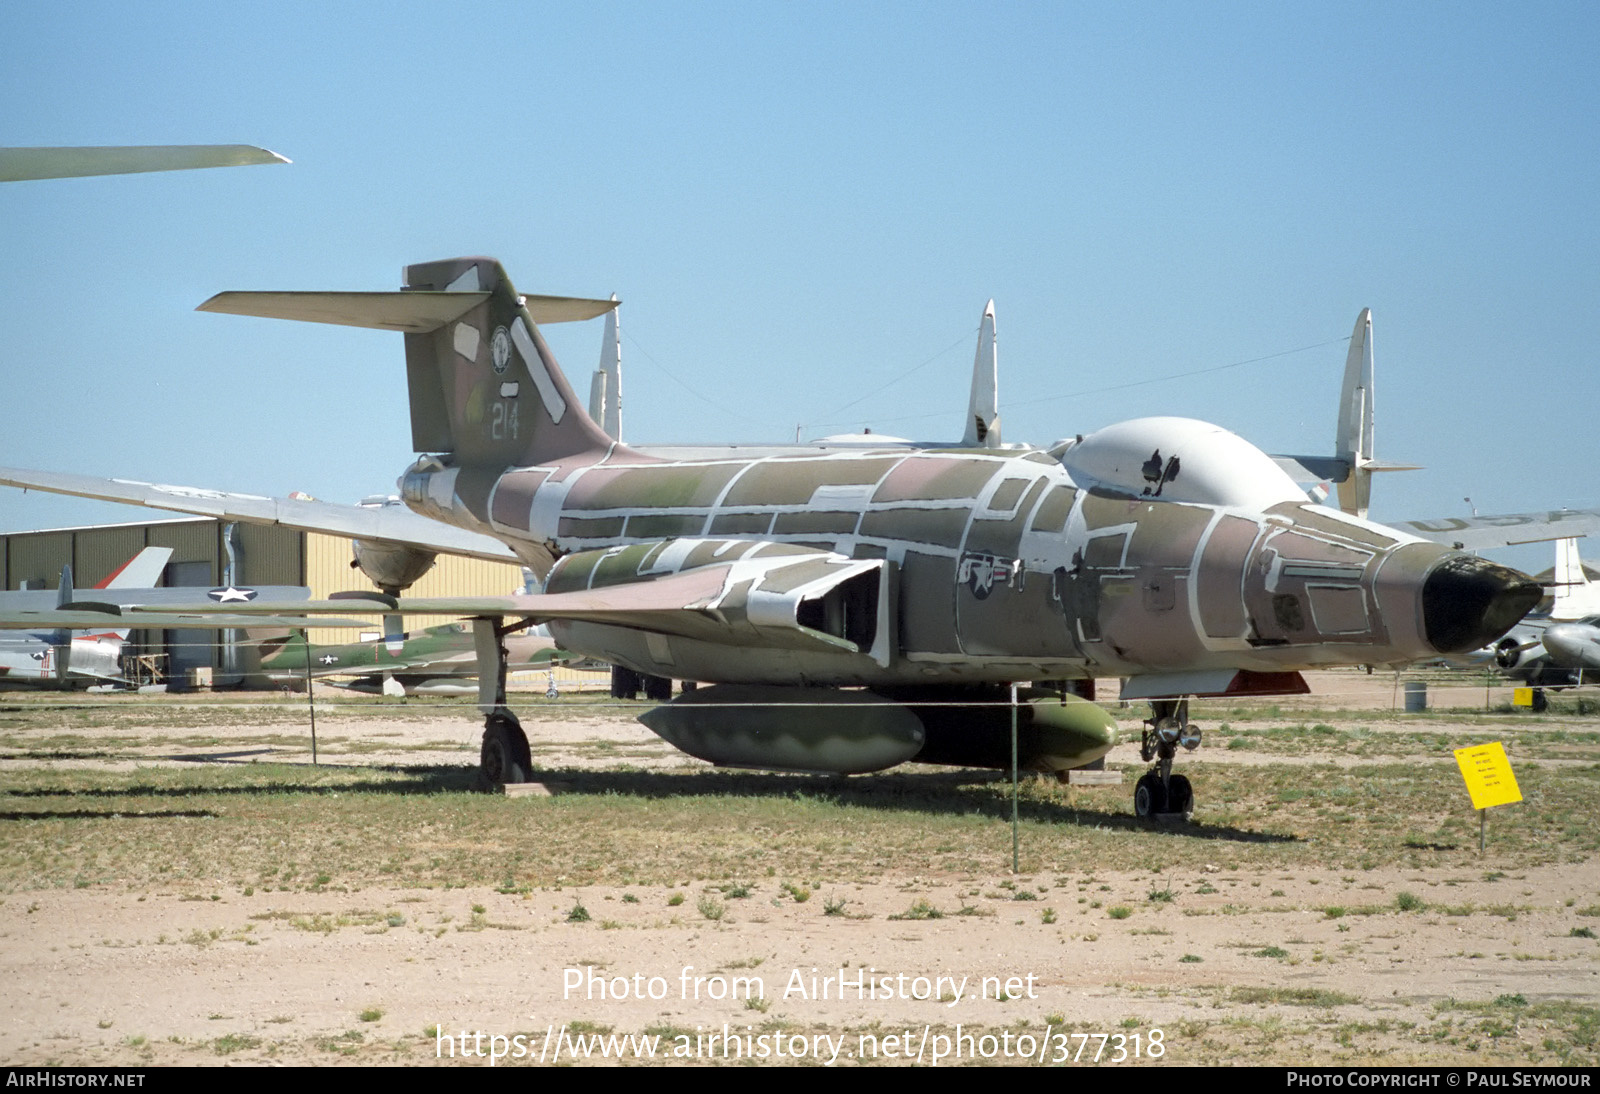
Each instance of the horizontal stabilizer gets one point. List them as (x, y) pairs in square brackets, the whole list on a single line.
[(411, 311), (1304, 469), (1308, 469)]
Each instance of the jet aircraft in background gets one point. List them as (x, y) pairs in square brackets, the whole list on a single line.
[(1553, 647), (1165, 551), (59, 657), (71, 638), (440, 660)]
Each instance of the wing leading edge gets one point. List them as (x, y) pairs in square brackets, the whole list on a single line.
[(389, 523)]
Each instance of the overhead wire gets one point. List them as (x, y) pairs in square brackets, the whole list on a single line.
[(1095, 390)]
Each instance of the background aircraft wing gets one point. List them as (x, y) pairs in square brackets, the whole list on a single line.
[(22, 164), (1508, 530), (390, 523), (98, 618)]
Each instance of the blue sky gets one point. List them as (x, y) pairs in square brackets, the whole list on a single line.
[(801, 204)]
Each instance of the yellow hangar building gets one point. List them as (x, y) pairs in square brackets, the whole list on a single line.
[(208, 554)]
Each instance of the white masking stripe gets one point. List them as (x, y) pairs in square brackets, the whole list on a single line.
[(554, 404), (466, 340), (467, 282)]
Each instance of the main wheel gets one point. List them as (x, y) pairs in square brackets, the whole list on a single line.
[(1149, 796), (504, 757), (1180, 796), (658, 689), (624, 683)]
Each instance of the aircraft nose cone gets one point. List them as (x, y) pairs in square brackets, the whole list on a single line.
[(1573, 645), (1468, 602)]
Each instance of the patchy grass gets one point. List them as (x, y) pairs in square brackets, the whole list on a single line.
[(1293, 997), (424, 827), (244, 827)]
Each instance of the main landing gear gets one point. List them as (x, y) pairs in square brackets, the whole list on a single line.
[(504, 757), (627, 684), (1159, 792)]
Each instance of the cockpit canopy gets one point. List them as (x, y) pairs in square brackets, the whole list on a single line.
[(1179, 459)]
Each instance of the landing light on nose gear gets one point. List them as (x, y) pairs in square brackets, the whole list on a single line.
[(1159, 792)]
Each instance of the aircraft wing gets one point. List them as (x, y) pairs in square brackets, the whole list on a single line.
[(736, 603), (1508, 530), (389, 523), (96, 618), (672, 604), (23, 164)]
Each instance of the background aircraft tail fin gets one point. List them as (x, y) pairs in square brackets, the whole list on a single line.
[(142, 571), (983, 407), (1352, 465), (1574, 596), (605, 391), (1353, 442)]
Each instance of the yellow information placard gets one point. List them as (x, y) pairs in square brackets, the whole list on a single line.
[(1487, 772)]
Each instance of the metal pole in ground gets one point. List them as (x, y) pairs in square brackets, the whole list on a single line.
[(1014, 866), (311, 699)]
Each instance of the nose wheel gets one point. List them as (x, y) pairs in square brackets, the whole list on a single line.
[(1160, 793)]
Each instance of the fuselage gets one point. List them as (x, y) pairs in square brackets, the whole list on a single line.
[(1159, 545)]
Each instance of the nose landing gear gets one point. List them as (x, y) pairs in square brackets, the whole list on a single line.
[(1160, 793)]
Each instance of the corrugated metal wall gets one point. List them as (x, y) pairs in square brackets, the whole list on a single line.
[(328, 571), (272, 555), (38, 557), (267, 556), (99, 554)]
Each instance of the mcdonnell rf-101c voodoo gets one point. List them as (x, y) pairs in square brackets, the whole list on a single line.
[(855, 608)]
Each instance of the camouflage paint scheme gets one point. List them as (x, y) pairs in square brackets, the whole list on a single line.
[(432, 654), (1165, 551), (1101, 558)]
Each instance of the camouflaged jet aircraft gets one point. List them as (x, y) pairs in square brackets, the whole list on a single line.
[(858, 608), (440, 660)]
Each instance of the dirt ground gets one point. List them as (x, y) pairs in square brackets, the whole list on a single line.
[(1238, 966)]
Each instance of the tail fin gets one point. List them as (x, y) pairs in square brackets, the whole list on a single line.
[(142, 571), (1353, 445), (983, 406), (1354, 440), (1574, 595), (605, 391), (484, 386)]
